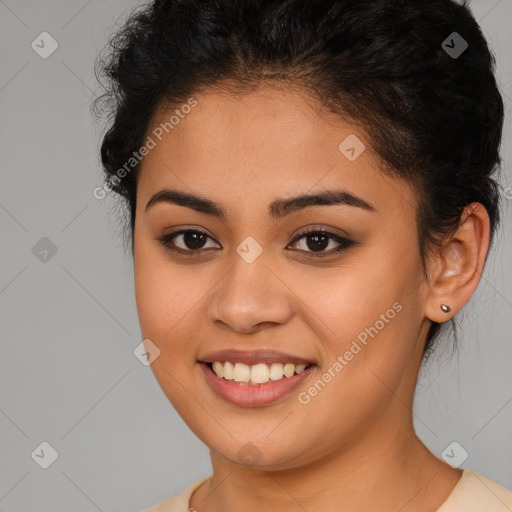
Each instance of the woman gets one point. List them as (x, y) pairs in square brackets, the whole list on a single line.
[(311, 196)]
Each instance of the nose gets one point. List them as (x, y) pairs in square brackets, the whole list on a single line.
[(250, 297)]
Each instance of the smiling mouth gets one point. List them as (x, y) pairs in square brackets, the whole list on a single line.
[(240, 373)]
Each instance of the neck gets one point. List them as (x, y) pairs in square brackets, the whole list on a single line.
[(396, 470)]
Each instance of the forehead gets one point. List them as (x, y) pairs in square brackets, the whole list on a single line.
[(272, 142)]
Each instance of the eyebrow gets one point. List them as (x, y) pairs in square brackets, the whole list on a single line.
[(277, 209)]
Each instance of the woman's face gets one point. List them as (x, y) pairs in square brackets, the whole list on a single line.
[(251, 283)]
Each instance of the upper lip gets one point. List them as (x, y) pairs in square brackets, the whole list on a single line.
[(252, 357)]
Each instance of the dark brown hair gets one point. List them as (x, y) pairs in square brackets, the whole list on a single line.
[(435, 118)]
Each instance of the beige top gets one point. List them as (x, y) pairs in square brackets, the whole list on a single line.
[(473, 493)]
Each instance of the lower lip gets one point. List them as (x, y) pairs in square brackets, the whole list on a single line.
[(254, 395)]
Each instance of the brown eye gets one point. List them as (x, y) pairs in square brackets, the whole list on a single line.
[(316, 241), (187, 240), (194, 240)]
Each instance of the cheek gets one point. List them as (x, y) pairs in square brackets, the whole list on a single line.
[(166, 298), (165, 292), (369, 345), (370, 312), (354, 296)]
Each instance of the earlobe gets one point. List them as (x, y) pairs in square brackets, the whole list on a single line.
[(458, 265)]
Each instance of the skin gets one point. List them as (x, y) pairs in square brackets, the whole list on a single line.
[(353, 443)]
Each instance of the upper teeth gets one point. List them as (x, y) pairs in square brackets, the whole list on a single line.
[(256, 374)]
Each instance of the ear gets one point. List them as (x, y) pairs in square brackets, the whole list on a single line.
[(454, 272)]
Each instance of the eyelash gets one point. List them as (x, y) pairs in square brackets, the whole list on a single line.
[(344, 243)]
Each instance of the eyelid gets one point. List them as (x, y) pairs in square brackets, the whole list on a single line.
[(320, 228), (343, 241)]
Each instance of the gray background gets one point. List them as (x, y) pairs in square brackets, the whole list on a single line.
[(68, 375)]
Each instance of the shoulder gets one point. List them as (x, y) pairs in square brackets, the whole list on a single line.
[(476, 493), (473, 493), (178, 502)]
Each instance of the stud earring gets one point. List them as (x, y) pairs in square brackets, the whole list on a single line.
[(446, 308)]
